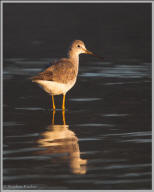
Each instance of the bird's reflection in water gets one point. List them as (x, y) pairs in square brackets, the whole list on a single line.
[(59, 139)]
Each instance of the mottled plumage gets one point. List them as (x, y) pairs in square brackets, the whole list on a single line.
[(54, 72)]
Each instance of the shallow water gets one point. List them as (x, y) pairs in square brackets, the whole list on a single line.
[(102, 141)]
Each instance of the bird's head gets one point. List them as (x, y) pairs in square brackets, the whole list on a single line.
[(79, 47)]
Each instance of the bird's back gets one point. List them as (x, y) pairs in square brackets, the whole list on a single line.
[(61, 71)]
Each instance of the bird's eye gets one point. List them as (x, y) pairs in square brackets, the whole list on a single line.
[(78, 45)]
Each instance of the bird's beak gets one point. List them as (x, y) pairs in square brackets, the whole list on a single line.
[(90, 53)]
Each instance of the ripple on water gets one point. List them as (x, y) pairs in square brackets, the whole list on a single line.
[(132, 134), (126, 166), (120, 71), (115, 115), (130, 137), (95, 125), (85, 99), (25, 135), (12, 123), (30, 108), (27, 149)]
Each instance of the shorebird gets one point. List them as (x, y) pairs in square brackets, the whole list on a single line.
[(61, 76)]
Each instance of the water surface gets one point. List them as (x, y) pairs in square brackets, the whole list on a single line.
[(102, 141)]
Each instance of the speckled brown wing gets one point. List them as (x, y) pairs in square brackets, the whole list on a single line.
[(62, 71)]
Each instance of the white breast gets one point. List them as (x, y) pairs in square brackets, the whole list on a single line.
[(55, 88)]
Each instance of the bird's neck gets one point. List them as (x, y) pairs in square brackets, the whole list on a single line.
[(74, 58)]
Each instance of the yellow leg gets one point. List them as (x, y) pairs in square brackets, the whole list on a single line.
[(53, 117), (63, 113), (53, 103), (63, 105)]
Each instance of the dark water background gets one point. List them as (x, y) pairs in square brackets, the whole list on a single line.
[(106, 142)]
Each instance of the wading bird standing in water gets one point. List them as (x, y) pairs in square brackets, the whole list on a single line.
[(61, 76)]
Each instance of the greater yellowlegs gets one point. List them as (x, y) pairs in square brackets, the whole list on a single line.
[(61, 76)]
